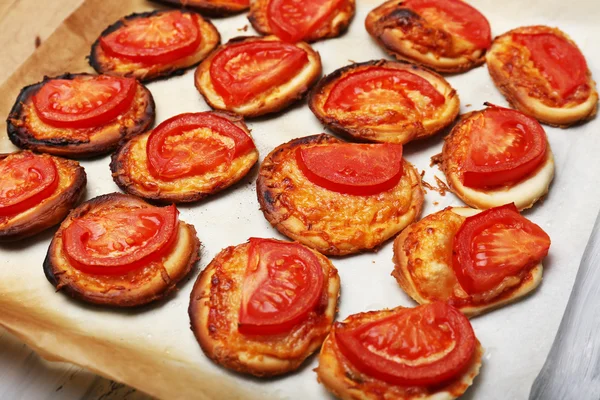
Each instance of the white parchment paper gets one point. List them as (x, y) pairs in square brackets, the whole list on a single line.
[(153, 349)]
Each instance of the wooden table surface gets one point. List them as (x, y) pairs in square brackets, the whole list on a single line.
[(24, 25)]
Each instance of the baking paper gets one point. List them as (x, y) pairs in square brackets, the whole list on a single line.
[(153, 349)]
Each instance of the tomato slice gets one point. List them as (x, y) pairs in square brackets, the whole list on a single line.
[(283, 283), (357, 169), (505, 146), (495, 244), (380, 91), (27, 180), (185, 145), (114, 241), (558, 60), (456, 17), (294, 20), (84, 101), (242, 71), (157, 39), (421, 346)]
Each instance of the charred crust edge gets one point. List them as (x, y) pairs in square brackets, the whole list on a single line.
[(167, 73), (24, 139)]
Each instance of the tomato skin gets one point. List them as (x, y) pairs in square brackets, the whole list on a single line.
[(59, 102), (356, 169), (128, 41), (292, 30), (482, 169), (237, 86), (474, 27), (269, 260), (34, 178), (395, 334), (344, 95), (558, 60), (522, 253), (165, 164), (88, 246)]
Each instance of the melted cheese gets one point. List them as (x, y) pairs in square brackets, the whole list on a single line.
[(123, 67), (337, 22), (346, 382), (399, 45), (423, 266), (501, 65), (331, 222), (136, 287), (274, 99), (136, 177), (214, 315), (421, 122), (107, 135)]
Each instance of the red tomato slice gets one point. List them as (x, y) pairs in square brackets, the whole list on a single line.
[(505, 146), (27, 180), (495, 244), (178, 147), (283, 283), (558, 60), (378, 91), (119, 240), (242, 71), (294, 20), (158, 39), (84, 101), (357, 169), (421, 346), (456, 17)]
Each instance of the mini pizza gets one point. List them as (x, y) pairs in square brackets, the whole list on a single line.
[(448, 36), (253, 76), (497, 156), (294, 21), (428, 352), (153, 45), (263, 307), (37, 191), (474, 260), (542, 73), (120, 251), (384, 101), (338, 198), (79, 115), (213, 8), (186, 158)]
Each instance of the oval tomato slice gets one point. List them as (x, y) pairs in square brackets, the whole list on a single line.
[(505, 146), (380, 92), (357, 169), (239, 72), (283, 283), (425, 345), (185, 145), (84, 101), (157, 39), (456, 17), (27, 180), (495, 244), (558, 60), (118, 240), (294, 20)]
